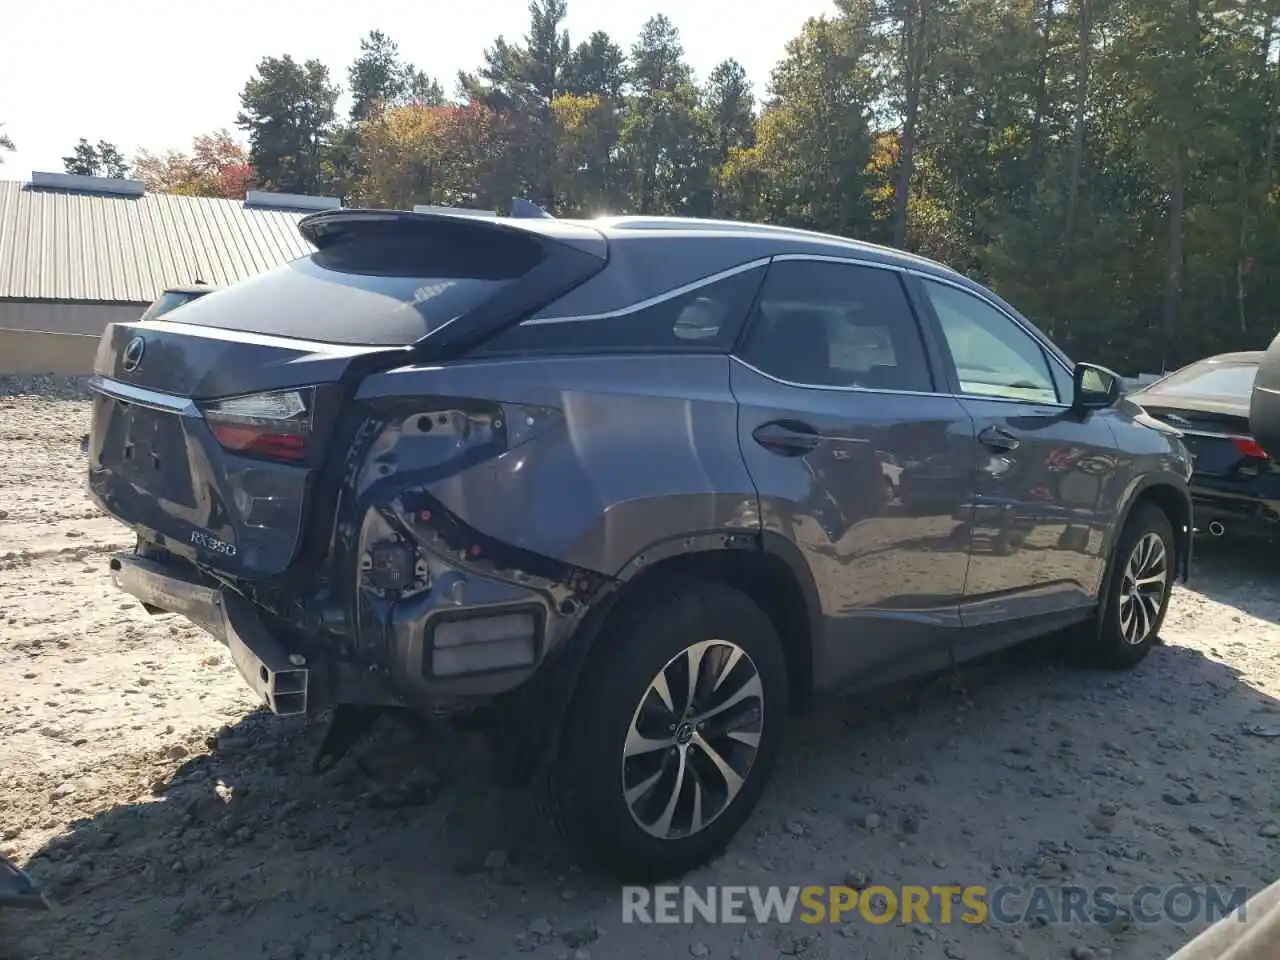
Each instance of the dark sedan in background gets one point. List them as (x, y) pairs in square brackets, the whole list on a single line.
[(1235, 484)]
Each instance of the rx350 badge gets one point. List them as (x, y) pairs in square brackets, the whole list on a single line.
[(211, 543)]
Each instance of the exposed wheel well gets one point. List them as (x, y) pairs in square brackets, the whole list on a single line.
[(766, 579)]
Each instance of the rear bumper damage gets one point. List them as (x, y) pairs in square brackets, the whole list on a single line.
[(432, 652), (282, 678)]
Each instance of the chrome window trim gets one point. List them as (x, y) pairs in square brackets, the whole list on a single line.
[(896, 268), (654, 300), (836, 387), (1056, 404), (140, 396), (1048, 348), (851, 261), (903, 393)]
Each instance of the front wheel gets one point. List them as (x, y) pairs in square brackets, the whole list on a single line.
[(673, 732), (1138, 589)]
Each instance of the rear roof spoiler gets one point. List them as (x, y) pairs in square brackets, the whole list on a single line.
[(327, 227), (573, 252)]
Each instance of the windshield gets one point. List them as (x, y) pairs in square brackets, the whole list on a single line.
[(306, 299), (388, 286), (1209, 378)]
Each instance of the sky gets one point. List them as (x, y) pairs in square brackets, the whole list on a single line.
[(155, 73)]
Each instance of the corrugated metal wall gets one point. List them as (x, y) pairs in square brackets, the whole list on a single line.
[(61, 245)]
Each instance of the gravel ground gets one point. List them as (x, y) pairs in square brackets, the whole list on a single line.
[(168, 817)]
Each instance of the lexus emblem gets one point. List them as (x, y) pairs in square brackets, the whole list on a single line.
[(133, 354)]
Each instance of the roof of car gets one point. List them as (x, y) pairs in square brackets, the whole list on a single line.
[(1240, 356), (697, 226)]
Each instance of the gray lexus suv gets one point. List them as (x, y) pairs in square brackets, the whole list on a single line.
[(627, 491)]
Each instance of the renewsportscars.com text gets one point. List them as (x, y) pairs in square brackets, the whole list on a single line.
[(930, 905)]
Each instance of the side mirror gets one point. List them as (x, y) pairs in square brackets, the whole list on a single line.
[(1096, 388)]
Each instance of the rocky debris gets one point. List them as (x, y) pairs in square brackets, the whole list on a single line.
[(857, 880), (580, 936), (43, 387)]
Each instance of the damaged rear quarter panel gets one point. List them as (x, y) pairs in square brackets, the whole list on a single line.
[(639, 450)]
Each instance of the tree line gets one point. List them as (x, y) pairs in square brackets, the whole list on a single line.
[(1107, 165)]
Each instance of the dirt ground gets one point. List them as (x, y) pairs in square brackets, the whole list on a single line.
[(168, 817)]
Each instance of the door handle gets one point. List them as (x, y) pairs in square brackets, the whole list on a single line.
[(787, 438), (998, 439)]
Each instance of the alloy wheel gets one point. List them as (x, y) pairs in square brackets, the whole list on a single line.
[(1142, 589), (693, 739)]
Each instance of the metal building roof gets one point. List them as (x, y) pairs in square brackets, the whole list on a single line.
[(65, 245)]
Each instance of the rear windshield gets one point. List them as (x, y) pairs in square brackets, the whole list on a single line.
[(381, 288), (168, 301), (1232, 381)]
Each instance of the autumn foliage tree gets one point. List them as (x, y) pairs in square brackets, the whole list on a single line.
[(447, 155), (1112, 166), (216, 166)]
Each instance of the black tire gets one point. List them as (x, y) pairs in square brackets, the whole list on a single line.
[(585, 786), (1113, 643)]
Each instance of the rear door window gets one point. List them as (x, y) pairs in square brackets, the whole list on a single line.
[(836, 325)]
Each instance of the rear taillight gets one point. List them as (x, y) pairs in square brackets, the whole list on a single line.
[(274, 426), (1250, 448)]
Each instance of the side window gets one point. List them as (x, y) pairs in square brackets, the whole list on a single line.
[(705, 319), (835, 324), (994, 357)]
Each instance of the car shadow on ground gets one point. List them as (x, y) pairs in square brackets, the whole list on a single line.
[(1020, 769), (1240, 572)]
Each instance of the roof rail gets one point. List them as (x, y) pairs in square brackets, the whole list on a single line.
[(78, 183), (527, 209), (453, 211), (289, 201)]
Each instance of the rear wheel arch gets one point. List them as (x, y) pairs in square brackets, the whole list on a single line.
[(763, 567), (766, 567), (769, 570)]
